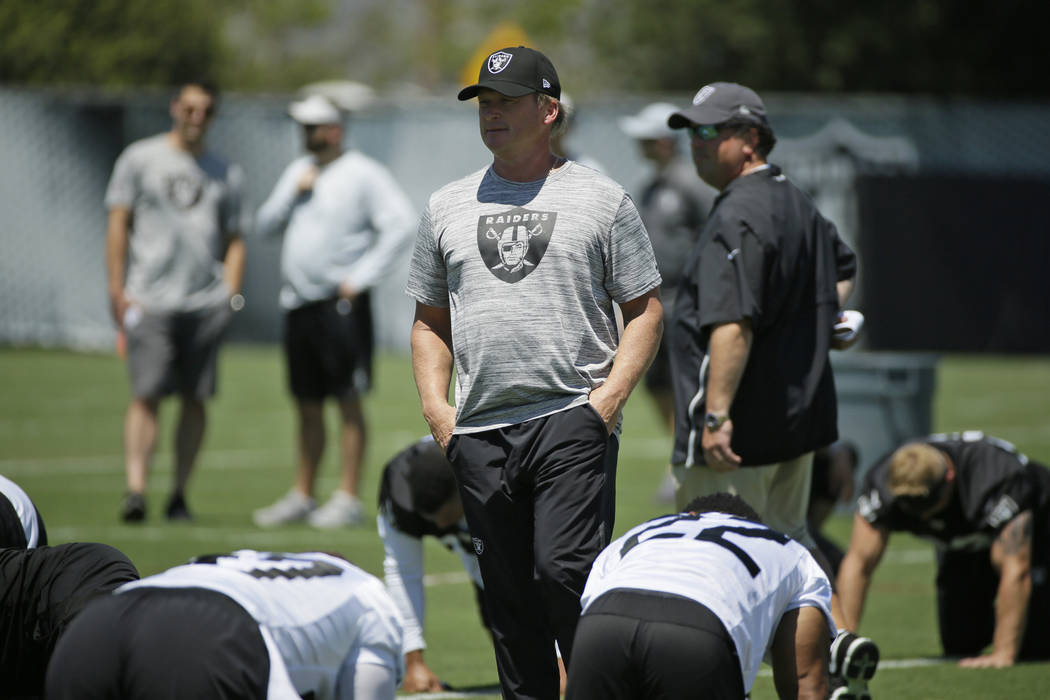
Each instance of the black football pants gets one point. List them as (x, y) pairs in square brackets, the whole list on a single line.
[(539, 499)]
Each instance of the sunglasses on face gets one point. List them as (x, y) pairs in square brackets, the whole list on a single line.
[(704, 132)]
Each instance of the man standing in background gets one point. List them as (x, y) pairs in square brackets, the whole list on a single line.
[(345, 221), (673, 205), (752, 326), (175, 260)]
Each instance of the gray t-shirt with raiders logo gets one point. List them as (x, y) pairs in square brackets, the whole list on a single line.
[(530, 272), (185, 209)]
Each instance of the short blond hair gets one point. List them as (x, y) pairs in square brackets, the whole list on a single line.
[(562, 120), (915, 469)]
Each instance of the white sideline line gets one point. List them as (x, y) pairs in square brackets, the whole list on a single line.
[(891, 664)]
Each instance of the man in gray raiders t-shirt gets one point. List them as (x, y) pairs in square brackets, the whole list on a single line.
[(175, 260), (515, 273)]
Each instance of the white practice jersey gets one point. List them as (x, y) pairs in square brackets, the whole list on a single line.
[(315, 611), (743, 572)]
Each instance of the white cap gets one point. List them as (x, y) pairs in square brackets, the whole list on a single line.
[(650, 123), (314, 110)]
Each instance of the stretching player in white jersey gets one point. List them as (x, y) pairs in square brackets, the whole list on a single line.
[(696, 600), (242, 625)]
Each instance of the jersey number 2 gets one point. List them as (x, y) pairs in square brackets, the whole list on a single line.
[(714, 535)]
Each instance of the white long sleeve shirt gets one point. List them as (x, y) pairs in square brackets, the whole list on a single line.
[(403, 574), (351, 227)]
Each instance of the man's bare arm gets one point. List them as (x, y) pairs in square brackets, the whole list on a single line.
[(800, 655), (643, 325), (866, 546), (118, 231), (727, 350), (432, 362), (1012, 557)]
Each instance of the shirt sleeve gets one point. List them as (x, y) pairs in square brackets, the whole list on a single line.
[(814, 590), (631, 263), (393, 219), (427, 274), (274, 213), (403, 574), (732, 270), (123, 183)]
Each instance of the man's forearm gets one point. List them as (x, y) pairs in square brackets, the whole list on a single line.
[(431, 366), (643, 326), (852, 588), (233, 265), (728, 350), (1011, 611), (844, 288)]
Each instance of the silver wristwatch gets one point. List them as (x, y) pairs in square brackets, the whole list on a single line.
[(714, 421)]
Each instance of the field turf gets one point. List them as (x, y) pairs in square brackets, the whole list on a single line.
[(60, 439)]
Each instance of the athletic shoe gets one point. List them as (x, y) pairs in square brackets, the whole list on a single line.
[(342, 510), (177, 509), (853, 660), (133, 509), (293, 507)]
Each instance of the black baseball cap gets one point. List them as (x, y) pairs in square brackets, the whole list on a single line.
[(515, 72), (719, 102)]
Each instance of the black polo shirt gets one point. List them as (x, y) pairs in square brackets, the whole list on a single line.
[(993, 483), (766, 254)]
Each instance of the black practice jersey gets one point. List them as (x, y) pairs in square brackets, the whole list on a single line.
[(768, 255), (993, 483)]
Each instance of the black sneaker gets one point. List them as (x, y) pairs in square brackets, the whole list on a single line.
[(177, 509), (853, 660), (133, 509)]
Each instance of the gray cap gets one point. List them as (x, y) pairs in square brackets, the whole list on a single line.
[(719, 102), (650, 123)]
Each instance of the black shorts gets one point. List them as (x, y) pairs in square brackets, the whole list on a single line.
[(12, 531), (161, 644), (328, 346), (633, 644), (42, 590)]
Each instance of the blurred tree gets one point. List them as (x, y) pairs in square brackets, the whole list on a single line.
[(938, 47), (121, 43)]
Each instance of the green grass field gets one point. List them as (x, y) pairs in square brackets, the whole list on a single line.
[(60, 439)]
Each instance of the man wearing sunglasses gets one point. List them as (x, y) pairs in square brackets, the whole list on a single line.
[(987, 509), (750, 332)]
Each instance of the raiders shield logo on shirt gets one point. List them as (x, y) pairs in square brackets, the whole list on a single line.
[(184, 190), (513, 243)]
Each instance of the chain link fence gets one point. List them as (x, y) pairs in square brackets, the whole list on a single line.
[(57, 149)]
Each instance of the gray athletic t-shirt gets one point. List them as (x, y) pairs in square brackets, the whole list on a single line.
[(530, 272), (184, 209)]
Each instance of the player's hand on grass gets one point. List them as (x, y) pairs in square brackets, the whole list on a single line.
[(992, 660), (418, 676)]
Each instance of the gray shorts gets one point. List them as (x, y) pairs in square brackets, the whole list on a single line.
[(174, 352)]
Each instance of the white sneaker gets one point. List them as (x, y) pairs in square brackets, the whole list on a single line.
[(293, 507), (341, 510)]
